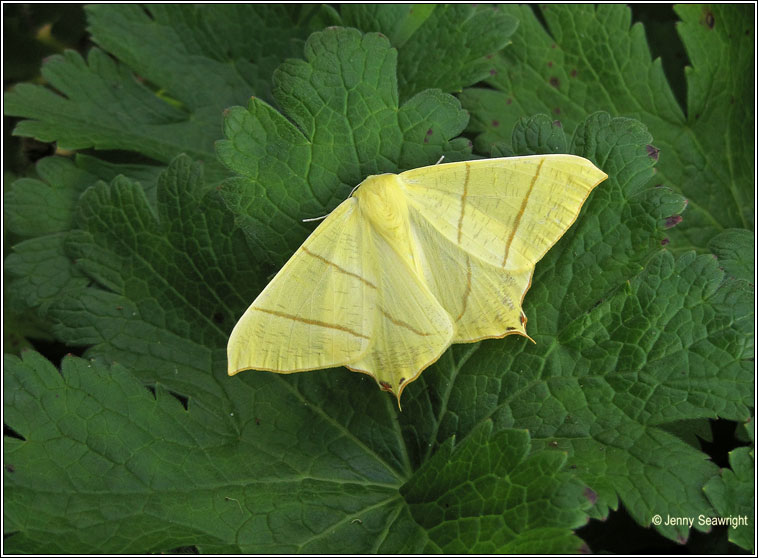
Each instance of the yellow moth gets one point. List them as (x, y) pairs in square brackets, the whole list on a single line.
[(411, 263)]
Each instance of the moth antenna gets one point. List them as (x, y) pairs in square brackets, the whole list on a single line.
[(440, 160), (327, 215), (315, 218)]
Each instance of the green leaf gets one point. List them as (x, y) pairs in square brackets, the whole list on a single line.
[(735, 249), (748, 430), (731, 496), (179, 46), (148, 275), (78, 120), (159, 475), (43, 209), (439, 46), (174, 277), (607, 341), (718, 163), (35, 207), (93, 448), (589, 58), (170, 106), (41, 273), (489, 495), (345, 124), (660, 22), (146, 264)]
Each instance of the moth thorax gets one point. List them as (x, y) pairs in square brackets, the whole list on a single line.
[(383, 203)]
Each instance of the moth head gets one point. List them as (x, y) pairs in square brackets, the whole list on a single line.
[(383, 203)]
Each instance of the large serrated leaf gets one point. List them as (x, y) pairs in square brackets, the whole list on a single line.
[(593, 58), (342, 129)]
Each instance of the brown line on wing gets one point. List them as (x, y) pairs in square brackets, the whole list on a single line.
[(407, 326), (521, 212), (311, 322), (467, 292), (338, 268), (463, 203)]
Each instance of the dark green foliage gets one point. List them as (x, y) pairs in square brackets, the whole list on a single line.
[(232, 124)]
